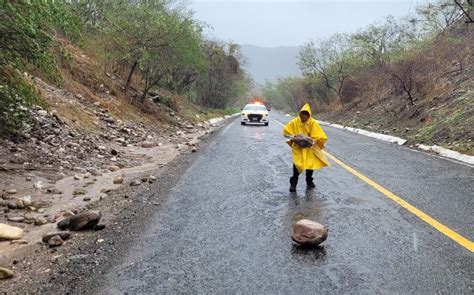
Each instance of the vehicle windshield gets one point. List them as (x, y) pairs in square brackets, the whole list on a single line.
[(255, 107)]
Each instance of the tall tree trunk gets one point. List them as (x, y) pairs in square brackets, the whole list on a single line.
[(329, 86), (407, 86), (127, 84)]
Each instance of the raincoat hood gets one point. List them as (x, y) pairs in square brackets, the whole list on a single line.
[(306, 108)]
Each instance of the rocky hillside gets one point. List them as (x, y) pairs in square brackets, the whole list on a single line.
[(89, 111), (86, 141), (442, 85)]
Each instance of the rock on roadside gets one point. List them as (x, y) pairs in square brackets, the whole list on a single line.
[(55, 241), (148, 144), (5, 273), (81, 221), (64, 235), (118, 180), (8, 232), (135, 182)]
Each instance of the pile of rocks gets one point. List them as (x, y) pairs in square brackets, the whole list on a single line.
[(76, 222), (53, 144), (24, 209), (55, 147), (50, 144)]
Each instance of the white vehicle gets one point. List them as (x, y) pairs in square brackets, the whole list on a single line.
[(254, 113)]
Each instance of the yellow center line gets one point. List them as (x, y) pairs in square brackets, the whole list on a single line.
[(469, 245)]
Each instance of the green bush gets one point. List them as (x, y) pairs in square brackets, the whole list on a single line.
[(15, 98), (167, 100), (27, 37), (231, 111)]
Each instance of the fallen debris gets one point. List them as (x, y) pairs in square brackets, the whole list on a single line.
[(309, 233), (8, 232), (64, 235), (81, 221), (6, 273)]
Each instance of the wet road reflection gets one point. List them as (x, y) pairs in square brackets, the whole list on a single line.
[(226, 228), (306, 206), (305, 254)]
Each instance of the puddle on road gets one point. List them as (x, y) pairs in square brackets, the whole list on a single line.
[(257, 136), (307, 206)]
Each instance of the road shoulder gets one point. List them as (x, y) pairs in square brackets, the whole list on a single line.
[(76, 266)]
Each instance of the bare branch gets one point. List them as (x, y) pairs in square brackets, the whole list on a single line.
[(470, 20)]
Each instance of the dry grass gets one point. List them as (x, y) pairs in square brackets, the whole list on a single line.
[(90, 83)]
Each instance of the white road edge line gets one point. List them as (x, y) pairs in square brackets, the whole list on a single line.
[(278, 122), (227, 127), (384, 137), (219, 119)]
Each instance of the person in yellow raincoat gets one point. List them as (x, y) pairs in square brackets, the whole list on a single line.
[(310, 158)]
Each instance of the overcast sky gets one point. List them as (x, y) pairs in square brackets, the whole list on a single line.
[(272, 23)]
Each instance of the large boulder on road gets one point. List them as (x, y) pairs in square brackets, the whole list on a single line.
[(309, 233)]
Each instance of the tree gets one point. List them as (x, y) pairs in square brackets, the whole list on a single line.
[(162, 43), (91, 13), (293, 91), (374, 44), (332, 60), (272, 92), (223, 81), (437, 17), (297, 91), (317, 90), (403, 75), (466, 8), (175, 66)]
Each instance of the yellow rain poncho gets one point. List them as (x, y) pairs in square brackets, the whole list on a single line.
[(311, 158)]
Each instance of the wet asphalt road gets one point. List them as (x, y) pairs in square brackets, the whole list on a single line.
[(226, 226)]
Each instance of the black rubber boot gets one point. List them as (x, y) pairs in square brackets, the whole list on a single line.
[(309, 179), (294, 179), (293, 183)]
